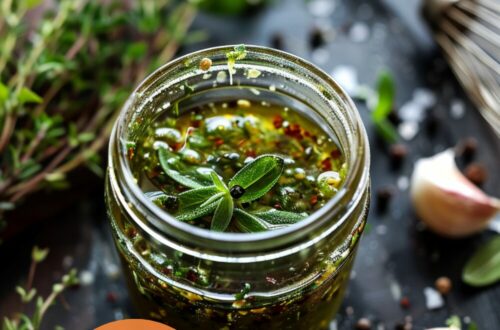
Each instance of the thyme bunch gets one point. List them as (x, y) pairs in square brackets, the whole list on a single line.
[(29, 294), (64, 73)]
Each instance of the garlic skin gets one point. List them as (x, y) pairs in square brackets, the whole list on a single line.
[(446, 200)]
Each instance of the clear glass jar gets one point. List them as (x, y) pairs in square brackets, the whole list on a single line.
[(190, 277)]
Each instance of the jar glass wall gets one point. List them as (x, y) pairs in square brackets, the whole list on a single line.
[(189, 277)]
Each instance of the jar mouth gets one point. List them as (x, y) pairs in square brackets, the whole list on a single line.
[(337, 209)]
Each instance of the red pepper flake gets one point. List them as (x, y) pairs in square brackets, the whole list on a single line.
[(192, 276), (112, 297), (271, 280), (219, 142), (167, 270), (241, 142), (307, 134), (131, 153), (131, 232), (405, 302), (336, 154), (277, 206), (177, 146), (314, 199), (294, 130), (326, 164), (278, 121), (251, 153), (196, 123)]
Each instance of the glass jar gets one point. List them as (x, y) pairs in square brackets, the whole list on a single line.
[(189, 277)]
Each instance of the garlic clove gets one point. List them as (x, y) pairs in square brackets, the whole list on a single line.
[(446, 200)]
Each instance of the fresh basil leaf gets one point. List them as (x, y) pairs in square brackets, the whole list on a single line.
[(484, 266), (258, 177), (26, 95), (249, 223), (386, 92), (191, 214), (223, 214), (189, 181), (195, 197), (218, 182), (277, 217)]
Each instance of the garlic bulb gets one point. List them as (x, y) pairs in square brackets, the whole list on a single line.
[(446, 200)]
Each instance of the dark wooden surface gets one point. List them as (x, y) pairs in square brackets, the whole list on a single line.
[(396, 256)]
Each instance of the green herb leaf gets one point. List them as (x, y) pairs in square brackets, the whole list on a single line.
[(193, 213), (258, 177), (238, 53), (195, 197), (484, 266), (160, 198), (386, 92), (218, 182), (223, 214), (213, 198), (386, 130), (38, 255), (4, 93), (189, 181), (454, 322), (26, 95), (277, 217), (246, 289), (249, 223)]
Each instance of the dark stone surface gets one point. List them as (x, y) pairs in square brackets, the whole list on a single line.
[(395, 255)]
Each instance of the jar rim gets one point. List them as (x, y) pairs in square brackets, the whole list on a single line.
[(339, 206)]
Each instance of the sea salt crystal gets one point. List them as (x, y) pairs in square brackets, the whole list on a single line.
[(321, 8), (403, 183), (408, 129), (359, 32), (457, 109), (347, 77), (86, 277), (412, 111), (424, 97), (395, 289), (433, 299), (381, 229)]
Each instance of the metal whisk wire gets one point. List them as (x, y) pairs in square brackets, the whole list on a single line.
[(468, 32)]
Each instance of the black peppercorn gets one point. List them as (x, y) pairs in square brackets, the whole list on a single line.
[(237, 191)]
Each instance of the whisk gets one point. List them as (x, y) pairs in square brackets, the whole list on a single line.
[(468, 32)]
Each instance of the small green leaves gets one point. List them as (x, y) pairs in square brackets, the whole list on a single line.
[(454, 322), (258, 177), (189, 181), (276, 217), (38, 255), (249, 223), (4, 93), (223, 214), (26, 296), (238, 53), (484, 266), (386, 92), (250, 183), (26, 95), (195, 197), (218, 182)]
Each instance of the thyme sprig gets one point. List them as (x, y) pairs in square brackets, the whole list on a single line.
[(226, 201), (28, 294), (63, 80)]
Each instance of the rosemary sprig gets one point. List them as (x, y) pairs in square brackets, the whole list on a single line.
[(28, 294), (63, 80), (226, 201)]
